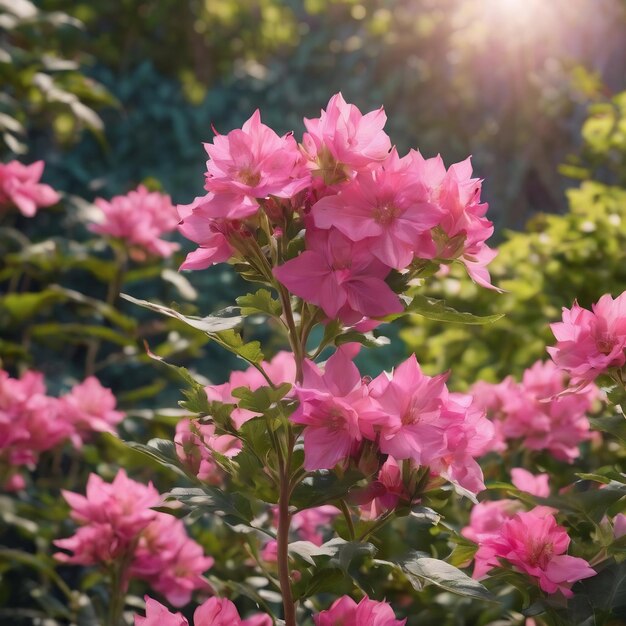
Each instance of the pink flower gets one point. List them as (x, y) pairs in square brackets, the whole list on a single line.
[(387, 208), (341, 277), (591, 342), (413, 403), (254, 161), (124, 504), (334, 408), (195, 444), (158, 615), (463, 229), (346, 612), (386, 491), (537, 485), (619, 525), (139, 218), (20, 186), (169, 560), (535, 544), (210, 233), (213, 612), (90, 407), (343, 140)]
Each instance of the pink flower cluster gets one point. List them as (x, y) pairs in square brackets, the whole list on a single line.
[(119, 525), (589, 343), (409, 416), (365, 209), (32, 422), (20, 187), (531, 541), (346, 612), (139, 219), (537, 411), (307, 525), (213, 612)]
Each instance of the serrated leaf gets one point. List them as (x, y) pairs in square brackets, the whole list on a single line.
[(436, 572), (162, 451), (259, 302), (233, 341)]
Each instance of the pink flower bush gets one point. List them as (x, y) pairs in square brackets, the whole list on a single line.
[(118, 525), (386, 492), (213, 612), (346, 612), (90, 407), (20, 186), (538, 412), (534, 544), (139, 219), (590, 343)]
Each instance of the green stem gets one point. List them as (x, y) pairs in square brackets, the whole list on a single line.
[(348, 517), (118, 596)]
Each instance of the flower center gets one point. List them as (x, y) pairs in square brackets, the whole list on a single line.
[(384, 214), (248, 177)]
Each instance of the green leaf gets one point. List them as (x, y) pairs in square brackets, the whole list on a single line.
[(212, 324), (422, 570), (162, 451), (259, 302), (437, 310), (261, 399), (233, 341), (233, 508)]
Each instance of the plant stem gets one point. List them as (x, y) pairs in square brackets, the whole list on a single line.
[(117, 600), (284, 521), (348, 517)]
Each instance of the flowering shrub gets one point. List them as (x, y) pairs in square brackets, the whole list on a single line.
[(297, 471), (20, 187)]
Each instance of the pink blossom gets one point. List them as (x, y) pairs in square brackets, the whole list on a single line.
[(413, 403), (463, 229), (346, 612), (535, 544), (90, 407), (343, 140), (591, 342), (209, 233), (169, 560), (339, 276), (388, 208), (20, 186), (213, 612), (195, 444), (334, 408), (619, 525), (158, 615), (386, 491), (254, 161), (139, 218), (537, 485)]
